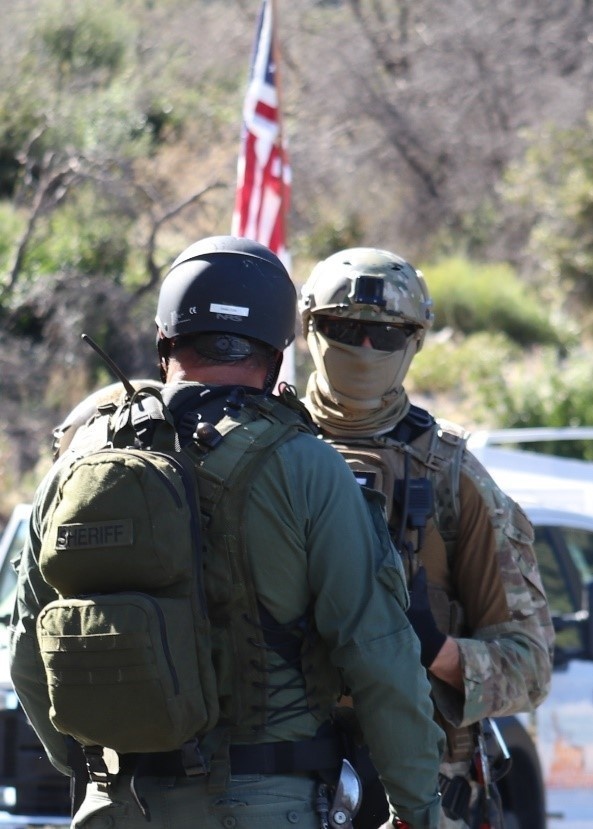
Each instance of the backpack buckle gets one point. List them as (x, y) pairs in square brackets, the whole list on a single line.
[(96, 766), (193, 761)]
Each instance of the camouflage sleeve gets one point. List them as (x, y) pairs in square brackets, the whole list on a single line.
[(507, 646)]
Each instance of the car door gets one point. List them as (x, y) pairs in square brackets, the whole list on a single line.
[(564, 722)]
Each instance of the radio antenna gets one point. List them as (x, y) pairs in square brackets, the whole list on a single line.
[(111, 364)]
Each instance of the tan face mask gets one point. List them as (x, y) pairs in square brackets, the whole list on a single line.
[(357, 390)]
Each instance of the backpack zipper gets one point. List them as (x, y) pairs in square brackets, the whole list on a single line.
[(190, 488)]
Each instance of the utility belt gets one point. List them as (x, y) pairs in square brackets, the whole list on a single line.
[(322, 757), (315, 755), (339, 788)]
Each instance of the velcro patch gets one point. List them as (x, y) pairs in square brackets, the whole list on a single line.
[(365, 477), (116, 533)]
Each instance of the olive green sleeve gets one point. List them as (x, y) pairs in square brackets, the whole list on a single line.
[(26, 666)]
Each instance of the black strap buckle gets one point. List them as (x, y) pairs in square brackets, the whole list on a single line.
[(96, 766), (455, 796), (193, 761)]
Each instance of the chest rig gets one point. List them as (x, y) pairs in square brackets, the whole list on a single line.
[(417, 468)]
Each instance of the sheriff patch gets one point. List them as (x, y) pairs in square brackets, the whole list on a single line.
[(116, 533)]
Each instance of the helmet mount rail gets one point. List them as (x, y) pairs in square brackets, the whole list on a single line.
[(368, 290)]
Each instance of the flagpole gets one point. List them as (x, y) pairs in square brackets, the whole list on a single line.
[(288, 370), (277, 62), (263, 169)]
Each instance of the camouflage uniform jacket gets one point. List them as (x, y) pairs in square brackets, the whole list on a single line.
[(484, 584)]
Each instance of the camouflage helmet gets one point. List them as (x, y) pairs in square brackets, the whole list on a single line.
[(367, 284)]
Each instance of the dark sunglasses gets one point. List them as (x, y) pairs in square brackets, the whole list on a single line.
[(382, 335)]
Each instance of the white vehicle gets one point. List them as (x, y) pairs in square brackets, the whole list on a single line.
[(550, 785), (557, 494)]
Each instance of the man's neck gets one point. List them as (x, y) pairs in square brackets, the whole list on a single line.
[(219, 375)]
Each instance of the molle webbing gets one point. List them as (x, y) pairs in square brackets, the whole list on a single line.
[(435, 454), (460, 741), (444, 460), (225, 476)]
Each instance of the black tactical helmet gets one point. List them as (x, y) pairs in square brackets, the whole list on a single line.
[(232, 285)]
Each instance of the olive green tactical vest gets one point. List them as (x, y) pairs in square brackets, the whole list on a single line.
[(225, 475)]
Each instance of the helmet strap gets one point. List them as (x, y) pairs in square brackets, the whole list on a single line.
[(274, 367), (163, 346)]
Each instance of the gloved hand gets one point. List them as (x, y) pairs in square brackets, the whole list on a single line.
[(422, 620)]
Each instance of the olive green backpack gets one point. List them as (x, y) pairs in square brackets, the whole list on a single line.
[(126, 647)]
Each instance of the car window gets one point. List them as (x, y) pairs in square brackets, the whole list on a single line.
[(580, 546), (559, 582)]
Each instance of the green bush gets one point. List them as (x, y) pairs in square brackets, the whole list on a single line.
[(471, 297), (331, 236), (84, 37), (457, 373), (546, 391), (486, 380), (86, 235)]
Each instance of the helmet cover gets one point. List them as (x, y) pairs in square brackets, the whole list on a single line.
[(368, 284)]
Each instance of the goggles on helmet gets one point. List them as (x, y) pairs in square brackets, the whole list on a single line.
[(382, 335)]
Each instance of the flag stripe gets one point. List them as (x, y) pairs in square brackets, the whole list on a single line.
[(263, 170)]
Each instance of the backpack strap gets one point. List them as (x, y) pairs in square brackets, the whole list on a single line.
[(144, 422), (96, 766), (415, 423), (252, 426), (251, 431)]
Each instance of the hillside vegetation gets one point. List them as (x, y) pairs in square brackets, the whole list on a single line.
[(457, 135)]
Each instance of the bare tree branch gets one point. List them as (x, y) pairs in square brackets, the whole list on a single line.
[(154, 270), (53, 185)]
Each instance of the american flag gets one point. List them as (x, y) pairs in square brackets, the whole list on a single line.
[(263, 170)]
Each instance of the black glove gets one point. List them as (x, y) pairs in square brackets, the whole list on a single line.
[(422, 620)]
